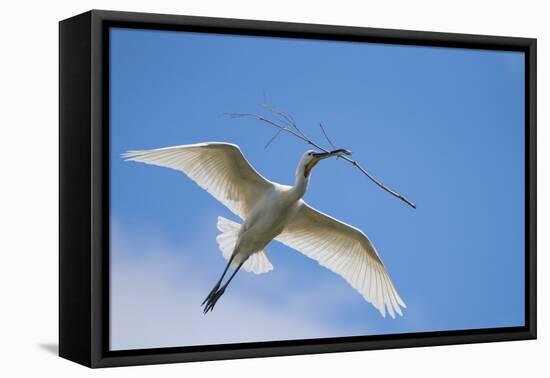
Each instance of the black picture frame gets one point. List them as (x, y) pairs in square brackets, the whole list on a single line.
[(84, 193)]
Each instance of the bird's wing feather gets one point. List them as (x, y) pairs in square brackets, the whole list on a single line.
[(346, 251), (219, 168)]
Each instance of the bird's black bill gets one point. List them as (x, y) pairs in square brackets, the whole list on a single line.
[(340, 151), (318, 156)]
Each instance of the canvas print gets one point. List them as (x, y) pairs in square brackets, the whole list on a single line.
[(266, 189)]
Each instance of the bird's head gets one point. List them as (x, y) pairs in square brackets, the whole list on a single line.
[(311, 158)]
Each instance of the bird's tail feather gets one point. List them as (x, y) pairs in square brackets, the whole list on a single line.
[(257, 263)]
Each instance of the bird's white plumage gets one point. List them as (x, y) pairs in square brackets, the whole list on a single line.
[(270, 211), (219, 168), (346, 251), (257, 263)]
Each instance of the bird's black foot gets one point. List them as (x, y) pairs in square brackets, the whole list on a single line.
[(211, 294), (212, 300)]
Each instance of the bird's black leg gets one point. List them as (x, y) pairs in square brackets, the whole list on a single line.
[(211, 301), (217, 285)]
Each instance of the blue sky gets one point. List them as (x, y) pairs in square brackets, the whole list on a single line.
[(442, 126)]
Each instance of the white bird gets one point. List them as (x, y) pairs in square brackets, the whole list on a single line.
[(272, 211)]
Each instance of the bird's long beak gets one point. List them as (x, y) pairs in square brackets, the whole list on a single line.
[(323, 155), (317, 157)]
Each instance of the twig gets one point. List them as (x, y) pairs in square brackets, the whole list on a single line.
[(285, 117), (326, 136), (273, 138), (328, 139), (392, 192), (282, 128), (292, 128)]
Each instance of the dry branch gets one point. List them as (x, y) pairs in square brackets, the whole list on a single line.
[(288, 124)]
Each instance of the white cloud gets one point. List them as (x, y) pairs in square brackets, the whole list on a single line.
[(156, 293)]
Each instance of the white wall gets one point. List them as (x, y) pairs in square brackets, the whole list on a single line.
[(28, 189)]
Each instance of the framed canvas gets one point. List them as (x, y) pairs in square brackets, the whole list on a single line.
[(236, 188)]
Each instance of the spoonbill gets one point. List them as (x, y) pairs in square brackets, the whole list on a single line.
[(271, 211)]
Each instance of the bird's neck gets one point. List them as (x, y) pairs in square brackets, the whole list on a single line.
[(300, 186)]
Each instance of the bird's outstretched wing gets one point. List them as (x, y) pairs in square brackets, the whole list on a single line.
[(346, 251), (219, 168)]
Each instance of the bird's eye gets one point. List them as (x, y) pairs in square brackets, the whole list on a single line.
[(311, 153)]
